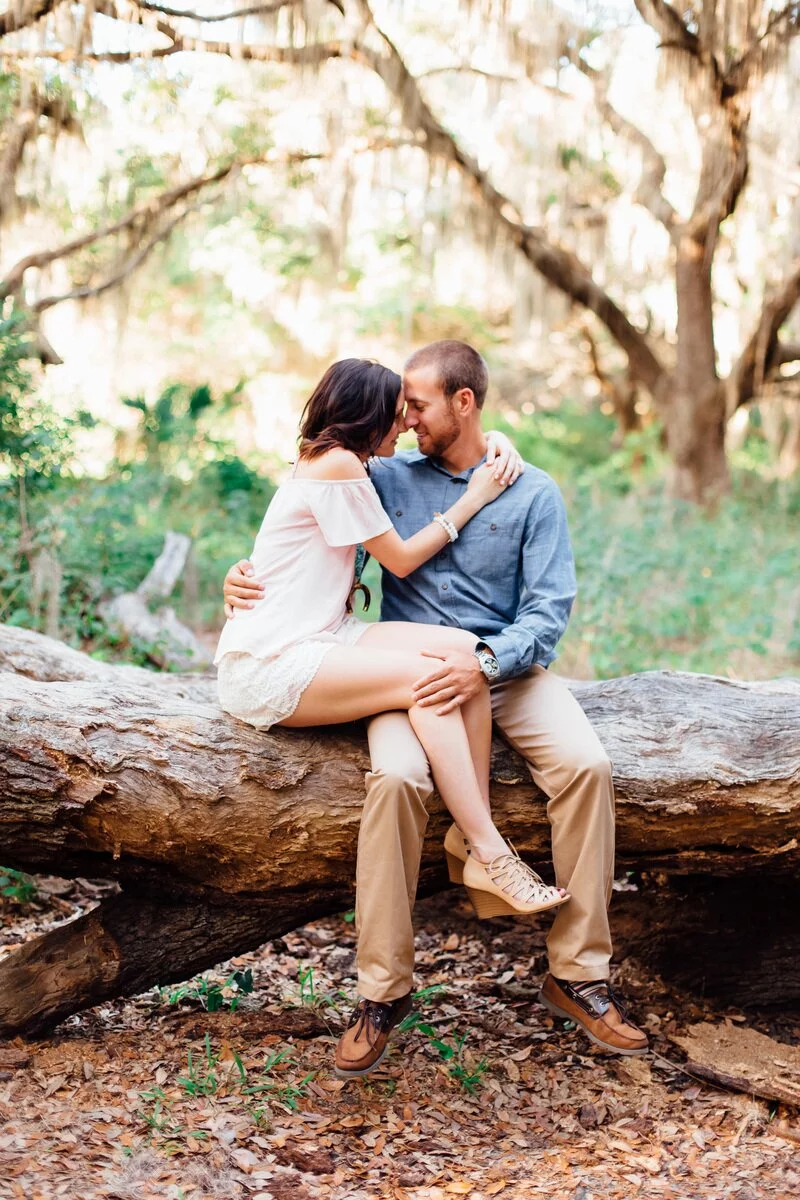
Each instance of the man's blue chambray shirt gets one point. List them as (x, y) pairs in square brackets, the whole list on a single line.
[(510, 577)]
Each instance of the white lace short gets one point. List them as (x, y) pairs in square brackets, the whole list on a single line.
[(263, 691)]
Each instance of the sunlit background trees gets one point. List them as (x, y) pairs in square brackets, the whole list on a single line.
[(201, 208)]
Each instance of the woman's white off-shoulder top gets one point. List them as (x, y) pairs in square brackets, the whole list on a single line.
[(304, 557)]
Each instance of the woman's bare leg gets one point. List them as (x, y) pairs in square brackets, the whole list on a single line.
[(439, 639), (358, 681)]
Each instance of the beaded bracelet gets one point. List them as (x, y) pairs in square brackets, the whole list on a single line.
[(446, 525)]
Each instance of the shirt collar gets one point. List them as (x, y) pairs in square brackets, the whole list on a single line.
[(416, 456)]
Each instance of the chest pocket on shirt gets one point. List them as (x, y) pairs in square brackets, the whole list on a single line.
[(491, 526)]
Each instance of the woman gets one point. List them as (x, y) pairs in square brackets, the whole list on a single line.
[(297, 658)]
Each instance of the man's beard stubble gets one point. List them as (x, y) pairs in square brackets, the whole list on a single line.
[(439, 445)]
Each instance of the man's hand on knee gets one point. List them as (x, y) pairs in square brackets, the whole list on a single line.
[(456, 678)]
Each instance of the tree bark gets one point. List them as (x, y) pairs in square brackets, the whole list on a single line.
[(124, 946), (133, 776), (168, 642)]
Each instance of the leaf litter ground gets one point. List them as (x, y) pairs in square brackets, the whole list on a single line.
[(485, 1096)]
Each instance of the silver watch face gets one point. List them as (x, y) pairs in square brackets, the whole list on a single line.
[(488, 664)]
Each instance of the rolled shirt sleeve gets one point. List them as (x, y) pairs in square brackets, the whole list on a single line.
[(548, 589)]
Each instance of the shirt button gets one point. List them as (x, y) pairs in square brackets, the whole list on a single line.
[(492, 526), (399, 513), (444, 587)]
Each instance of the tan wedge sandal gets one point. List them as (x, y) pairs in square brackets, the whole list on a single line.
[(513, 886), (456, 851), (507, 885)]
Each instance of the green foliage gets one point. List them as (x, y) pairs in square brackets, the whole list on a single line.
[(418, 319), (17, 887), (36, 444), (309, 995), (202, 1077), (450, 1050), (572, 439), (212, 994), (273, 1087), (211, 1074), (162, 1130), (665, 585), (177, 472)]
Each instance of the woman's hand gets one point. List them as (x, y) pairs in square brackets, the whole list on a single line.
[(241, 589), (484, 486), (502, 454)]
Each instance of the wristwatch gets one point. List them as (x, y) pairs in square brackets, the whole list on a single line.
[(487, 661)]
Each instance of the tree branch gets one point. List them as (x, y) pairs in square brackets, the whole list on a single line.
[(143, 214), (467, 69), (311, 55), (23, 129), (128, 266), (668, 25), (654, 168), (786, 352), (22, 13), (558, 265), (763, 352), (255, 10), (780, 27)]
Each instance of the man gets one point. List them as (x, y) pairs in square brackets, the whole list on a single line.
[(510, 579)]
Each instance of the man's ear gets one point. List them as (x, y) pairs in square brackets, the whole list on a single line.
[(465, 400)]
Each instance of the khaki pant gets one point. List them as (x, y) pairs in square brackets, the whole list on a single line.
[(538, 715)]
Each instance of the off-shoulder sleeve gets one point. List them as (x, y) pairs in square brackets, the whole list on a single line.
[(348, 511)]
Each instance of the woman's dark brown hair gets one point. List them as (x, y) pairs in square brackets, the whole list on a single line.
[(353, 406)]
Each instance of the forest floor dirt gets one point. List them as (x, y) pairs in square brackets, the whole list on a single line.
[(487, 1097)]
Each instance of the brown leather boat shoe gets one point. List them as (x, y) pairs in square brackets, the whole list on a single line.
[(597, 1010), (364, 1042)]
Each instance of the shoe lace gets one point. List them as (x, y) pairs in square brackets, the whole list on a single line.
[(516, 878), (602, 989), (369, 1015)]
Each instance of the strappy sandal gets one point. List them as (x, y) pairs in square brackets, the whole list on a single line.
[(507, 885)]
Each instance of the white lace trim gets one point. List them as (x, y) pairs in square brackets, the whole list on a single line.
[(265, 691)]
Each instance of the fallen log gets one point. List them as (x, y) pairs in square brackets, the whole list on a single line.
[(743, 1060), (222, 837), (168, 642)]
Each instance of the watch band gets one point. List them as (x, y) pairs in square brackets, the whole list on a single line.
[(487, 661)]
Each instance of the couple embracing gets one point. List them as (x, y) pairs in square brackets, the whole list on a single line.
[(478, 584)]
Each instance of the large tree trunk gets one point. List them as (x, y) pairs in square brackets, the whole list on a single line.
[(222, 837), (695, 415)]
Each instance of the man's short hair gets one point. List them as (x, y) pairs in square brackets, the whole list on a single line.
[(457, 365)]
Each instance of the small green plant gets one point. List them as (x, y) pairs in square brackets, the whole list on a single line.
[(162, 1130), (272, 1088), (308, 991), (17, 886), (422, 997), (202, 1077), (450, 1050), (213, 994)]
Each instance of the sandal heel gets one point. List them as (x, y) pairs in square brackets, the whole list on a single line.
[(455, 867), (487, 905)]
